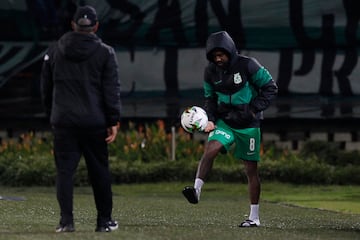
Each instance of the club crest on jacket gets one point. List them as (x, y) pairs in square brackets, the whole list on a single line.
[(237, 78)]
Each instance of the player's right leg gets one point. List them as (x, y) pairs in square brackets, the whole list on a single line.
[(192, 194), (96, 155)]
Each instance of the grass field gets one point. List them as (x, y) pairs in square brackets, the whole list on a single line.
[(159, 211)]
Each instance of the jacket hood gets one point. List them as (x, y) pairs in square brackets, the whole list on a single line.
[(221, 41), (78, 46)]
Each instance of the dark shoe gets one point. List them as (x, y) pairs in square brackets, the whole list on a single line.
[(108, 227), (190, 194), (65, 228), (250, 223)]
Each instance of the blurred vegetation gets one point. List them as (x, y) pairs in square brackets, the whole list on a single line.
[(143, 153)]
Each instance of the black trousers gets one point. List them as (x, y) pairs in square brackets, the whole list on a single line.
[(69, 145)]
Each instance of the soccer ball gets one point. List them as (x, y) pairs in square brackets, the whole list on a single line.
[(194, 119)]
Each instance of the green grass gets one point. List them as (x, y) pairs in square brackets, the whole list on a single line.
[(159, 211), (344, 199)]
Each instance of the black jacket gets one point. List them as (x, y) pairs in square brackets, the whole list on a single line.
[(239, 92), (80, 83)]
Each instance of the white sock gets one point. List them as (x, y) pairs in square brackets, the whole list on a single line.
[(254, 212), (198, 185)]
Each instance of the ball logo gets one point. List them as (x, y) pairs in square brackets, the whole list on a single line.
[(192, 117)]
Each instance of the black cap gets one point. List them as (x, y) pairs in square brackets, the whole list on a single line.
[(85, 16)]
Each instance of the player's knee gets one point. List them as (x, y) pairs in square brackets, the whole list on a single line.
[(251, 169)]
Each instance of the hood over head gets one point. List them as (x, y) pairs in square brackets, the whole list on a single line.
[(220, 41)]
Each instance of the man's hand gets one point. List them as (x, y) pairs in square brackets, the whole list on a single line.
[(112, 132), (209, 127)]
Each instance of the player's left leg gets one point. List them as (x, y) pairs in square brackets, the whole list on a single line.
[(248, 149), (67, 156), (254, 188)]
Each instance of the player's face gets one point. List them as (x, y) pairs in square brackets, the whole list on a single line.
[(220, 58)]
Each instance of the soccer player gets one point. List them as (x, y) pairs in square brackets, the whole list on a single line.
[(237, 89)]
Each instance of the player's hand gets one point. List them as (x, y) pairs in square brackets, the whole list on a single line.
[(112, 132), (209, 127)]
